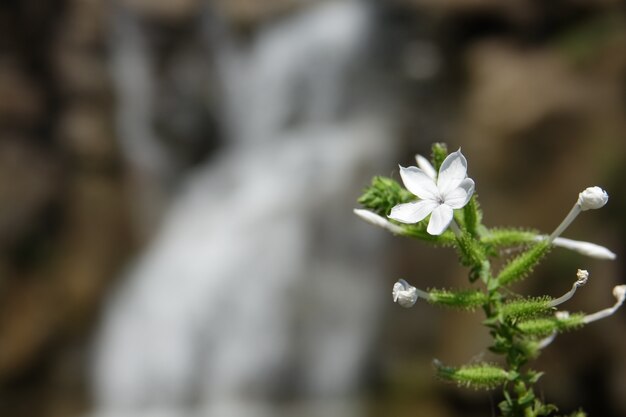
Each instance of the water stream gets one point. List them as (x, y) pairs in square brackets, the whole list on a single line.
[(260, 293)]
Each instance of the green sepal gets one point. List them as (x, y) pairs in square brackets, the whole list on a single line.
[(383, 194), (463, 300), (525, 308), (472, 255), (518, 268), (472, 216), (508, 237), (477, 376), (418, 231), (439, 152), (548, 325)]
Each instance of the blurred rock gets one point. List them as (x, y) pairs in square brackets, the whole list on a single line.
[(21, 102), (247, 13), (168, 10), (29, 182)]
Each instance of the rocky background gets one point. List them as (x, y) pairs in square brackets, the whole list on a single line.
[(534, 92)]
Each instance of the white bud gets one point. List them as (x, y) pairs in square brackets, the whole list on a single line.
[(619, 292), (404, 293), (592, 198), (562, 315), (376, 220)]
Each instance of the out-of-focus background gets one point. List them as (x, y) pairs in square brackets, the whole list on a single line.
[(177, 180)]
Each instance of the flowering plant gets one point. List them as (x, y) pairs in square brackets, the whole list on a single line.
[(437, 205)]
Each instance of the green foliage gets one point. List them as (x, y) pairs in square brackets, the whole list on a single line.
[(477, 376), (418, 231), (509, 237), (521, 266), (472, 254), (472, 216), (383, 194), (525, 308), (545, 326), (525, 405), (463, 300)]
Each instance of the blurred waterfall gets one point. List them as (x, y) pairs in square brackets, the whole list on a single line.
[(260, 292)]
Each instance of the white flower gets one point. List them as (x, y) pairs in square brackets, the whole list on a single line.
[(452, 190), (425, 165), (592, 198), (404, 294)]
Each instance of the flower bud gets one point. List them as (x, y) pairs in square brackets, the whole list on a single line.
[(404, 294), (619, 292), (592, 198), (562, 315), (376, 220)]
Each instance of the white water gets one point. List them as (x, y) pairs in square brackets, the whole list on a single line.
[(260, 285)]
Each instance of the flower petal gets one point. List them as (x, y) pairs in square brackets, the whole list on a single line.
[(439, 219), (419, 183), (376, 220), (412, 212), (425, 165), (459, 196), (453, 170), (584, 248)]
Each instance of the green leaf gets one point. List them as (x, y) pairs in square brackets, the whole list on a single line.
[(472, 216), (383, 194)]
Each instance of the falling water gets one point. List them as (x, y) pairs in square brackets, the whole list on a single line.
[(259, 288)]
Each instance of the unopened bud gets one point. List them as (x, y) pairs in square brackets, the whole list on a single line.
[(592, 198), (376, 220), (619, 292), (562, 315), (404, 294)]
